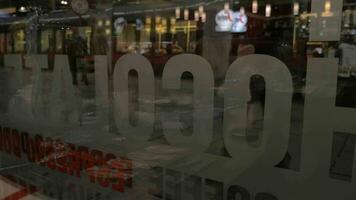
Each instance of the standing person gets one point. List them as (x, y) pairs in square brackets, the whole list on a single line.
[(76, 49)]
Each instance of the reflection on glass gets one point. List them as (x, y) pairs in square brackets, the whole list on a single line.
[(46, 40), (2, 43), (19, 41), (59, 41)]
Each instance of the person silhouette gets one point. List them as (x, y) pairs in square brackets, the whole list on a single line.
[(76, 49)]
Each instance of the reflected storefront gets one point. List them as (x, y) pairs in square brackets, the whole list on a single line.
[(168, 99), (161, 33)]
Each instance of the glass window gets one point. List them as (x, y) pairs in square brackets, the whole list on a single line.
[(126, 40), (184, 35), (9, 44), (191, 99), (2, 43), (47, 38), (59, 41), (84, 32), (19, 41)]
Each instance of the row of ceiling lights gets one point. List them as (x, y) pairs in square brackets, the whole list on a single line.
[(296, 7), (198, 14), (24, 9), (268, 8), (64, 2), (201, 15)]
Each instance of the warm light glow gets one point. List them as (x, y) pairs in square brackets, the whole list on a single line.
[(201, 10), (108, 31), (22, 9), (296, 8), (64, 2), (164, 22), (173, 21), (242, 10), (159, 28), (186, 14), (158, 19), (148, 20), (327, 6), (226, 6), (100, 23), (196, 15), (327, 9), (255, 6), (203, 17), (268, 10), (107, 23), (177, 12)]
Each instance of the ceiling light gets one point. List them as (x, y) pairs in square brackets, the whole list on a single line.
[(203, 17), (201, 10), (255, 6), (268, 10), (186, 14), (226, 6), (196, 15), (22, 9), (177, 12), (296, 8)]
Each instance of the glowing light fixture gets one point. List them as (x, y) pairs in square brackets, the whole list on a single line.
[(100, 23), (327, 6), (22, 9), (107, 31), (196, 15), (177, 12), (173, 21), (242, 10), (327, 9), (186, 14), (255, 6), (158, 19), (148, 20), (203, 17), (268, 10), (201, 10), (296, 8), (164, 22), (226, 6)]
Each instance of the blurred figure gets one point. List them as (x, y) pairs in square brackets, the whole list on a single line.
[(76, 49), (101, 42)]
